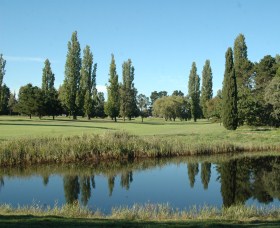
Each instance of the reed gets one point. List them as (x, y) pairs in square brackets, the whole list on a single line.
[(118, 146), (150, 212)]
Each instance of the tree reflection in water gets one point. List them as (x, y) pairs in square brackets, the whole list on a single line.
[(240, 179)]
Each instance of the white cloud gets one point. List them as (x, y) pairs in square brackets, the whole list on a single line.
[(24, 59)]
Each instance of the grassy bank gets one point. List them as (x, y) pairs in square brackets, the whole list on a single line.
[(102, 139), (117, 145), (139, 215)]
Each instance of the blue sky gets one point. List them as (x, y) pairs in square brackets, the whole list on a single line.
[(162, 37)]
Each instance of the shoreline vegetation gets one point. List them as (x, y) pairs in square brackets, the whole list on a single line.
[(65, 141), (137, 214), (116, 146)]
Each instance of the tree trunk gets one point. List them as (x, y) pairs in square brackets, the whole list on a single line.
[(88, 117), (142, 118), (53, 117), (115, 119), (74, 117), (29, 116)]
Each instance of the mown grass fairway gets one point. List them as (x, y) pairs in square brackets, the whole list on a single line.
[(18, 127)]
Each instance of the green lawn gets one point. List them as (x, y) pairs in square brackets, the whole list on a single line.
[(18, 127), (22, 126)]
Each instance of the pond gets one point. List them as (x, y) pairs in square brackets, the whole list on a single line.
[(180, 182)]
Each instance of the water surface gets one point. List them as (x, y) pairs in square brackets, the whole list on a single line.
[(180, 182)]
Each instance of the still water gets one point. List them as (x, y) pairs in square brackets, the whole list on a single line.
[(180, 182)]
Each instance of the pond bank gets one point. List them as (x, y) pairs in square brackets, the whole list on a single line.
[(119, 146), (139, 215)]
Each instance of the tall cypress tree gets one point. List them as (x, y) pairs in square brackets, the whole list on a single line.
[(194, 92), (243, 70), (72, 76), (207, 84), (240, 58), (230, 115), (112, 107)]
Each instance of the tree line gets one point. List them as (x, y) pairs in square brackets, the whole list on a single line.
[(250, 93)]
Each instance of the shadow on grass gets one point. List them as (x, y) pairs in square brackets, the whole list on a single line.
[(54, 125), (55, 221), (261, 129)]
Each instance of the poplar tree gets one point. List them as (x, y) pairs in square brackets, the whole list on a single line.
[(194, 92), (47, 77), (112, 107), (52, 105), (72, 76), (2, 70), (206, 90), (86, 83), (128, 103), (230, 115)]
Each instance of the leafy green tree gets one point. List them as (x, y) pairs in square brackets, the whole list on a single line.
[(215, 106), (128, 104), (265, 70), (177, 93), (112, 107), (155, 95), (194, 92), (206, 90), (99, 105), (30, 100), (72, 76), (62, 99), (2, 70), (12, 103), (143, 103), (272, 97), (52, 103), (172, 107), (243, 71), (4, 100), (230, 115)]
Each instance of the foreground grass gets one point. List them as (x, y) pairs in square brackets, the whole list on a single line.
[(102, 139), (139, 215)]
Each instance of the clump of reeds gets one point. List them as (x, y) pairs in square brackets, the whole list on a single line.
[(150, 212), (117, 145)]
